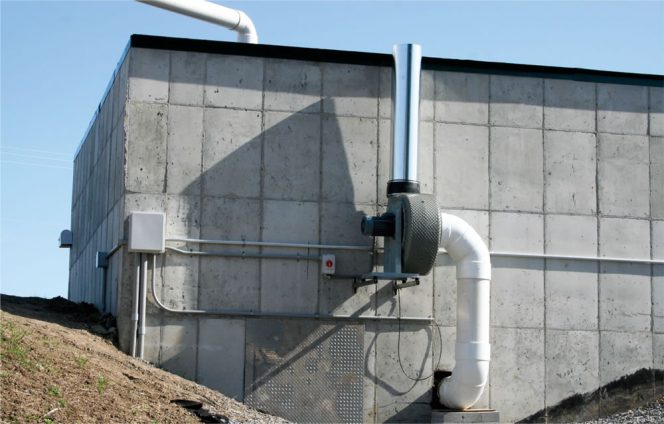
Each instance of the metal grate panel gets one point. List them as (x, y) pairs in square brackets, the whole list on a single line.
[(305, 371)]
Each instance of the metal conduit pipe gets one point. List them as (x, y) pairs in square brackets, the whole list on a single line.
[(134, 308), (464, 387), (257, 314), (142, 304), (372, 250), (274, 244), (293, 256), (235, 20), (576, 258)]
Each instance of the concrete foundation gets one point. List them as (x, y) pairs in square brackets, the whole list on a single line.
[(278, 144), (476, 416)]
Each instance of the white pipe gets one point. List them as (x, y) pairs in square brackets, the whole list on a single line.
[(134, 310), (464, 387), (235, 20), (143, 297)]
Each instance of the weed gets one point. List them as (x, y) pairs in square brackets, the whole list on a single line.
[(81, 361), (102, 384), (54, 391), (48, 420), (62, 403)]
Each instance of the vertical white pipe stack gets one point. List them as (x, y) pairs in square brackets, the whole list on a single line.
[(464, 387)]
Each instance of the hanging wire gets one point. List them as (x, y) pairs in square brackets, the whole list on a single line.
[(440, 338)]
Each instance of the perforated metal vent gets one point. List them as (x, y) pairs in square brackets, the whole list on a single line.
[(305, 372), (421, 232)]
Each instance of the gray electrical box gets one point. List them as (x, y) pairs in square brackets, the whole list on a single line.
[(102, 260), (147, 232)]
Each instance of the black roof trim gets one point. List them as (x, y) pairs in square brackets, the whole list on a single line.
[(379, 59)]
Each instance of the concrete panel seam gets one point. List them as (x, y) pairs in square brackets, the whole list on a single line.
[(320, 174), (489, 196), (652, 295), (544, 247), (261, 192), (597, 194)]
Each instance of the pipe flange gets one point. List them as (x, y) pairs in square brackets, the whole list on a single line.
[(421, 233)]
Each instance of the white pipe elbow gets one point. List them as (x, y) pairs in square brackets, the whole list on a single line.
[(235, 20), (464, 387), (246, 30), (465, 247)]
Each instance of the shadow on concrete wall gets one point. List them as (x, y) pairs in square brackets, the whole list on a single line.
[(271, 188), (274, 176), (629, 392)]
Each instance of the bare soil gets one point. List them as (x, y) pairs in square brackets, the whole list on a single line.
[(60, 364)]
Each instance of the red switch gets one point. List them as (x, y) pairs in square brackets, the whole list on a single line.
[(328, 263)]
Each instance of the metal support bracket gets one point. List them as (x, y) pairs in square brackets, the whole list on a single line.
[(396, 286), (374, 277)]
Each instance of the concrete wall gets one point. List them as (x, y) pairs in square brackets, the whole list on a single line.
[(234, 147), (98, 199)]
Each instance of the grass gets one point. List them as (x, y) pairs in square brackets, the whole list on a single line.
[(12, 344), (81, 361), (54, 391), (102, 384)]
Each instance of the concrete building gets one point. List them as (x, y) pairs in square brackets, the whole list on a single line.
[(266, 143)]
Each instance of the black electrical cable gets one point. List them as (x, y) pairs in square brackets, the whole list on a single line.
[(440, 338)]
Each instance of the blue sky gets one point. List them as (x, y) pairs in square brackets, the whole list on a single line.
[(57, 58)]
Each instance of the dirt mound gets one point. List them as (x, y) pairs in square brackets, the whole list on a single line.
[(59, 364)]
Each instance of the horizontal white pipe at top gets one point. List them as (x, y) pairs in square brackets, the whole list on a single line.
[(235, 20)]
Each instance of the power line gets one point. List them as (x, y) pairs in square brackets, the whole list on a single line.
[(38, 157), (26, 149), (38, 165)]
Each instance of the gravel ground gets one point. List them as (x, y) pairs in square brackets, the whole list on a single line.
[(652, 413)]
